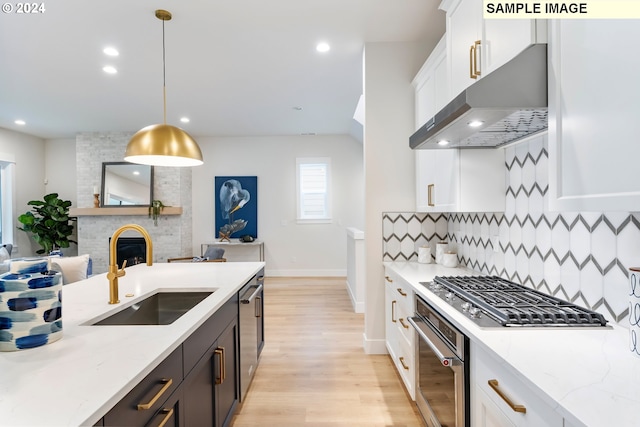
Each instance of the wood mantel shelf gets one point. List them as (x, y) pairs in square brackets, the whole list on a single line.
[(168, 210)]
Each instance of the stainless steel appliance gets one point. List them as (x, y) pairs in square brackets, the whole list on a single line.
[(509, 104), (443, 375), (443, 351), (490, 301), (251, 330)]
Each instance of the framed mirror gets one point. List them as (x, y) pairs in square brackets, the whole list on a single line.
[(126, 184)]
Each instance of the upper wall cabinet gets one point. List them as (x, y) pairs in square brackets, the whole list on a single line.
[(452, 180), (593, 109), (477, 46)]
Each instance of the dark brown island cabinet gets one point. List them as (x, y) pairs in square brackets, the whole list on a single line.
[(198, 384)]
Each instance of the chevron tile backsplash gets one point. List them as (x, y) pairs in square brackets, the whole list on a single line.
[(582, 257)]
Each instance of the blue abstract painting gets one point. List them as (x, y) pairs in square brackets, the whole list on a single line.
[(236, 206)]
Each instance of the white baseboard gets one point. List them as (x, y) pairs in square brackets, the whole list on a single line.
[(305, 273), (377, 346), (358, 306)]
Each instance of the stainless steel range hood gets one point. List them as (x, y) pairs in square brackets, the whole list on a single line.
[(510, 103)]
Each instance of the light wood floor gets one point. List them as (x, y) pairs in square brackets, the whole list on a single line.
[(313, 370)]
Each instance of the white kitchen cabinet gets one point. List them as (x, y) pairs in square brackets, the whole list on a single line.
[(467, 180), (400, 336), (477, 46), (499, 399), (593, 108)]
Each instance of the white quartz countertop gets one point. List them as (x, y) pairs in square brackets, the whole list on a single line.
[(76, 380), (587, 374)]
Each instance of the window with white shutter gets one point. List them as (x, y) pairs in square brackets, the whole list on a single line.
[(314, 189)]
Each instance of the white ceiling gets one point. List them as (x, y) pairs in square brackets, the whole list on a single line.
[(234, 67)]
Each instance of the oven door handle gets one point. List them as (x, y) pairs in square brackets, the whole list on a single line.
[(446, 361)]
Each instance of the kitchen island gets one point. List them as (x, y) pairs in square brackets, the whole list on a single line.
[(78, 379), (586, 375)]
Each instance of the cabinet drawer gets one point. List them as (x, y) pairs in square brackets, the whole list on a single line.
[(405, 363), (403, 292), (405, 331), (150, 393), (512, 397)]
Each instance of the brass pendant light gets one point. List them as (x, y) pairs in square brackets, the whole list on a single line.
[(163, 144)]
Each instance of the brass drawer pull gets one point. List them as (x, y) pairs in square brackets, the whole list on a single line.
[(167, 417), (403, 364), (167, 383), (476, 47), (221, 365), (471, 56), (404, 325), (516, 408), (401, 292), (393, 311), (430, 195), (388, 279)]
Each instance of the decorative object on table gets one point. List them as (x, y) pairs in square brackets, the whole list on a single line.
[(30, 305), (441, 248), (424, 255), (163, 144), (236, 206), (49, 223), (634, 310), (155, 210), (450, 259), (96, 197)]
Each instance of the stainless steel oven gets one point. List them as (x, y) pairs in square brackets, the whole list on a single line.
[(442, 393)]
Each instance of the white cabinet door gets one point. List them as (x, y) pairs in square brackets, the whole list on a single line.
[(464, 29), (487, 413), (593, 110), (504, 39), (437, 175)]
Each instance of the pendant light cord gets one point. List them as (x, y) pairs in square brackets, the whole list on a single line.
[(164, 77)]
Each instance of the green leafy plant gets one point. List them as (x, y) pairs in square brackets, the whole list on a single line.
[(155, 210), (49, 223)]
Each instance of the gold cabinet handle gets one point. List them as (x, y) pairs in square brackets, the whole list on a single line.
[(401, 292), (476, 48), (168, 414), (388, 279), (430, 195), (258, 308), (471, 56), (393, 311), (404, 325), (516, 408), (167, 383), (404, 365), (221, 365)]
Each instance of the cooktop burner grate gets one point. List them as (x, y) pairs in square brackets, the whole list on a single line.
[(515, 305)]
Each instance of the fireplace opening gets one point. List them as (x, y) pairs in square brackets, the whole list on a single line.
[(132, 249)]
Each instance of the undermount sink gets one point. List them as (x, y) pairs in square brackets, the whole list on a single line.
[(161, 308)]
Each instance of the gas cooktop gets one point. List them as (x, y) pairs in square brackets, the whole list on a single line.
[(491, 301)]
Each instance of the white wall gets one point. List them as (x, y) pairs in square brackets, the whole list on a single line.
[(60, 167), (389, 163), (290, 249), (29, 152)]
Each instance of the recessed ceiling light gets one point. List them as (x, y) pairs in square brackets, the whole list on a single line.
[(475, 123), (323, 47), (111, 51), (185, 119), (20, 122), (443, 142), (136, 172), (109, 69)]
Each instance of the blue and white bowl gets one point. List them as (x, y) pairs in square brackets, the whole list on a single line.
[(30, 305)]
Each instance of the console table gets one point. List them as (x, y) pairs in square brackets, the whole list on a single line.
[(236, 243)]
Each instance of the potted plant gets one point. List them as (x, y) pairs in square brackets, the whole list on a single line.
[(48, 221), (155, 210)]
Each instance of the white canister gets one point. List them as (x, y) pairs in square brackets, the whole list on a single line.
[(441, 248), (424, 255), (634, 310), (450, 259)]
